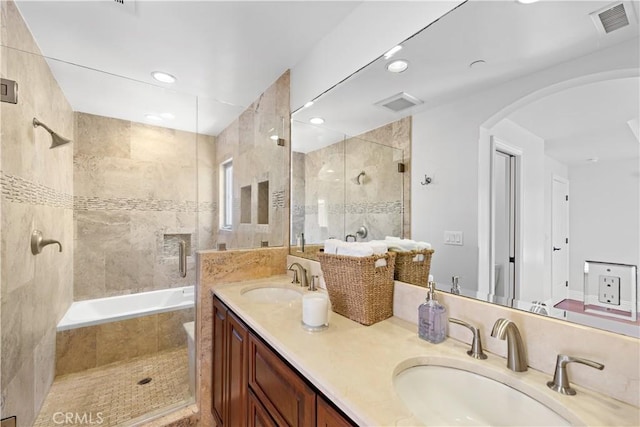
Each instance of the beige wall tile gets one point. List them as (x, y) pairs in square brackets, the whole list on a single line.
[(76, 350)]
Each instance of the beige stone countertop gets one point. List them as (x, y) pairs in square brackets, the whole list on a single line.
[(354, 365)]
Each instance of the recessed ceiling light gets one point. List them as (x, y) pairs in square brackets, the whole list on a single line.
[(527, 1), (397, 66), (316, 120), (273, 137), (167, 116), (153, 118), (163, 77), (308, 104), (392, 51)]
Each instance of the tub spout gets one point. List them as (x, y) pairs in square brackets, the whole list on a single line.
[(37, 242)]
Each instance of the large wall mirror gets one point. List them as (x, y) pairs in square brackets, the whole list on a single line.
[(523, 124)]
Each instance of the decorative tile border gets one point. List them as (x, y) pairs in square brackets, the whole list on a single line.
[(391, 207), (19, 190), (84, 203)]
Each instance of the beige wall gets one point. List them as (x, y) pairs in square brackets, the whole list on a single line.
[(135, 198), (257, 158), (37, 189)]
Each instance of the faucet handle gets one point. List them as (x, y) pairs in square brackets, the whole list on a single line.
[(313, 285), (560, 381), (476, 343), (295, 275)]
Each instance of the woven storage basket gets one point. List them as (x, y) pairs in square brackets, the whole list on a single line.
[(410, 271), (357, 288)]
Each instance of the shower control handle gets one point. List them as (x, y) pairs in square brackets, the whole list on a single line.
[(38, 242)]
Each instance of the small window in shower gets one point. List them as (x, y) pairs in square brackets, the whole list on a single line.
[(245, 205), (263, 202), (226, 195)]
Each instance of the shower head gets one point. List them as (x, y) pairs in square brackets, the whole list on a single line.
[(56, 140), (357, 180)]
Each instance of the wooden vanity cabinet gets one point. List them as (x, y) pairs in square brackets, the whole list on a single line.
[(327, 416), (253, 386), (229, 368), (286, 396)]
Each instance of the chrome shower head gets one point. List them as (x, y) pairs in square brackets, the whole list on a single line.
[(56, 140), (357, 180)]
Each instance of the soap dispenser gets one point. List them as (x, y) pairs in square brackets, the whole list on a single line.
[(432, 318)]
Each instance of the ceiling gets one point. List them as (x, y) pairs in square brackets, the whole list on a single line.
[(513, 39), (223, 53)]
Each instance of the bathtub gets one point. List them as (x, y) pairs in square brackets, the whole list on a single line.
[(112, 309)]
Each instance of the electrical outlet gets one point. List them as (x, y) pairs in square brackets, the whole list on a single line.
[(609, 290), (453, 238)]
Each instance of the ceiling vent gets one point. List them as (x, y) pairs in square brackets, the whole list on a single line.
[(127, 5), (613, 17), (399, 102)]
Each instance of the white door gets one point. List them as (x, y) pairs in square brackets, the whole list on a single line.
[(559, 239), (504, 190)]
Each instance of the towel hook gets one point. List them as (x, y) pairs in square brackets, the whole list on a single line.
[(427, 180)]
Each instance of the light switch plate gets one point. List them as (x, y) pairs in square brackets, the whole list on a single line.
[(455, 238)]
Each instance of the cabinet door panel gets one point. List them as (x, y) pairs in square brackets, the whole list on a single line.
[(283, 393), (218, 364), (258, 416), (237, 368), (329, 417)]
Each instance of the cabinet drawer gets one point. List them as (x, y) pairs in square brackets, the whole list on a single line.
[(258, 416), (289, 400)]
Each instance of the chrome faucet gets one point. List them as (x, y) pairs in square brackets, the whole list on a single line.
[(476, 344), (560, 381), (301, 273), (516, 353)]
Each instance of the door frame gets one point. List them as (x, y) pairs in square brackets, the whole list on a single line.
[(498, 144), (565, 181)]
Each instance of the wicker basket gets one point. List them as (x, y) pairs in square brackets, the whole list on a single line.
[(410, 271), (357, 288)]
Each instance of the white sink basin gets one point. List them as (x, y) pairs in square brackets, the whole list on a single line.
[(272, 294), (444, 396)]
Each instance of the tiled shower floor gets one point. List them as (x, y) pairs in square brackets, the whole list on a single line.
[(110, 395)]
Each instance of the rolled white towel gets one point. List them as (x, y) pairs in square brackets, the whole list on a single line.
[(408, 245), (355, 249), (331, 246)]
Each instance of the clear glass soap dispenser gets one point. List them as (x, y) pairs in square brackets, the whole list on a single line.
[(432, 318)]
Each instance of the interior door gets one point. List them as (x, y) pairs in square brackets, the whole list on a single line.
[(504, 169), (559, 239)]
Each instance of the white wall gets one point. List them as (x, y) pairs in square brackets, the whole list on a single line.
[(604, 211), (369, 31), (446, 146)]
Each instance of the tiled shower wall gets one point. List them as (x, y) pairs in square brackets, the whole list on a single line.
[(135, 199), (37, 193), (257, 158), (382, 203)]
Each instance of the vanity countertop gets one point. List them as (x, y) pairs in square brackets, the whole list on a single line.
[(354, 365)]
